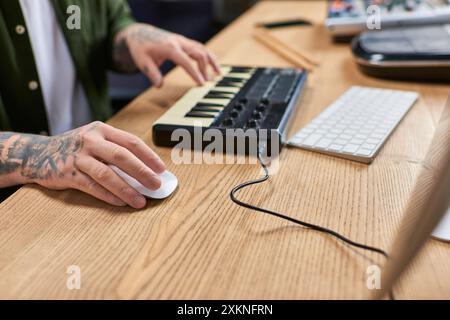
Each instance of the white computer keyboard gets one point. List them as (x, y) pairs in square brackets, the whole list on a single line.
[(357, 125)]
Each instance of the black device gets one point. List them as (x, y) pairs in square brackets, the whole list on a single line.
[(284, 24), (408, 53), (241, 98)]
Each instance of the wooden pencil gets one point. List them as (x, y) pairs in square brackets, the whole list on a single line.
[(262, 33)]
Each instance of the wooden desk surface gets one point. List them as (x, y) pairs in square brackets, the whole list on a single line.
[(197, 244)]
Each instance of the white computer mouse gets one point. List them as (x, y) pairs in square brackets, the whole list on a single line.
[(169, 183)]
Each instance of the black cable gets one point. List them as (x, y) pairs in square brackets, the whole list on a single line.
[(302, 223)]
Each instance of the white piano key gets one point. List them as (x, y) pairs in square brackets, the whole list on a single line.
[(223, 102), (239, 75), (185, 121), (227, 89)]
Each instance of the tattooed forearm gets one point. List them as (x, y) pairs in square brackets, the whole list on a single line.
[(6, 167), (35, 157), (141, 33), (150, 34)]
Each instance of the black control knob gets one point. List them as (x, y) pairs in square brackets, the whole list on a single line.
[(234, 114), (257, 115), (252, 124), (228, 122), (265, 101), (239, 106), (261, 108)]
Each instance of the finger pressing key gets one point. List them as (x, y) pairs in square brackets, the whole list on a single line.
[(181, 58)]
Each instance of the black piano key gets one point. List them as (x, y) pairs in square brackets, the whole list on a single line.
[(205, 109), (194, 114), (229, 84), (233, 79), (220, 92), (204, 104), (241, 70), (217, 96), (217, 93)]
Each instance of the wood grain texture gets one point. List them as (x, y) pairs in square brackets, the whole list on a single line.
[(197, 244)]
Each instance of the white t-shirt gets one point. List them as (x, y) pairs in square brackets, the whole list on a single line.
[(65, 101)]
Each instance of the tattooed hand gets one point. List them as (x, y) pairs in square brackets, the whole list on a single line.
[(78, 160), (146, 47)]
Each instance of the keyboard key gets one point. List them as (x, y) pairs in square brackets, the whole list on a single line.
[(296, 140), (335, 147), (311, 140), (345, 136), (377, 136), (307, 130), (201, 115), (340, 141), (369, 146), (357, 141), (336, 131), (361, 136), (300, 135), (331, 136), (364, 152), (350, 148), (373, 141), (324, 143)]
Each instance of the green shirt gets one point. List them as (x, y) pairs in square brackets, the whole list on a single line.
[(22, 106)]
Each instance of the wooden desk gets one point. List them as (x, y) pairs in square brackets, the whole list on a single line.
[(199, 245)]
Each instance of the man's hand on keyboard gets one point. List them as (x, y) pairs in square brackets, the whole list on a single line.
[(79, 160), (147, 47)]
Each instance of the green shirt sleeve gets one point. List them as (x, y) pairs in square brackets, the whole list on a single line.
[(4, 121), (119, 17)]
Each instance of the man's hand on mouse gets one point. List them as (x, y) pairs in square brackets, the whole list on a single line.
[(78, 160), (146, 47)]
